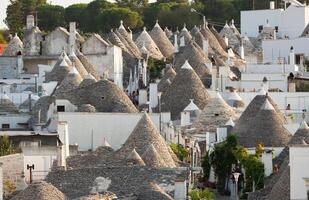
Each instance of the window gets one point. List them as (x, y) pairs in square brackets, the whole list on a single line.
[(260, 28), (60, 108), (5, 126)]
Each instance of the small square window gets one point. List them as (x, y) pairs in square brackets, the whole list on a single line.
[(60, 108), (5, 126)]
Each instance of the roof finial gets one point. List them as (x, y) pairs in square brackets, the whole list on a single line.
[(144, 28)]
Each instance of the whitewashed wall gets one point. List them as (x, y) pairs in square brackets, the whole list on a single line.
[(89, 129), (299, 162), (14, 120), (291, 22)]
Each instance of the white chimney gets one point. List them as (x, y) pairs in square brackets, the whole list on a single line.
[(292, 56), (182, 42), (268, 163), (63, 132), (242, 51), (205, 46), (72, 37), (175, 43), (214, 78), (30, 22), (180, 192), (272, 5), (185, 119), (153, 95), (142, 97)]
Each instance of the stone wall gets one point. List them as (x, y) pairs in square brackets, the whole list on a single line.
[(8, 67), (13, 166)]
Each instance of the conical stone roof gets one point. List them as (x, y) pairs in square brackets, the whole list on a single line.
[(185, 34), (14, 47), (122, 33), (166, 79), (104, 95), (40, 191), (218, 37), (213, 42), (168, 32), (135, 158), (152, 158), (70, 82), (197, 59), (88, 66), (60, 70), (114, 39), (145, 39), (162, 41), (265, 128), (281, 189), (78, 65), (234, 40), (252, 109), (216, 113), (88, 80), (186, 85), (144, 135), (6, 105), (152, 191)]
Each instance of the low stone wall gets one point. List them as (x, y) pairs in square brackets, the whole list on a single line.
[(13, 166)]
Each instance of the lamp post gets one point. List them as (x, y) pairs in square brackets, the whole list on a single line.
[(30, 168), (159, 103), (201, 14), (236, 176)]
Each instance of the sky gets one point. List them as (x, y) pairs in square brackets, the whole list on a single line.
[(65, 3)]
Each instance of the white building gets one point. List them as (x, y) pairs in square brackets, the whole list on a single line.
[(299, 175), (111, 127), (289, 22)]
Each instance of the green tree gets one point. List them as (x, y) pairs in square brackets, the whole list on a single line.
[(50, 17), (222, 159), (206, 166), (132, 4), (17, 12), (6, 147), (76, 13), (14, 17), (180, 151), (110, 18), (94, 8)]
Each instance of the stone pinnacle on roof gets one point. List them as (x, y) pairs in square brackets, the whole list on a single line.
[(143, 135), (135, 158)]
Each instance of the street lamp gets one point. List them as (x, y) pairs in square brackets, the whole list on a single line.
[(236, 176), (201, 14)]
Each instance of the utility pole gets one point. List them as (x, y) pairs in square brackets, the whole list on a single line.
[(253, 4)]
